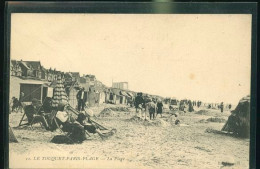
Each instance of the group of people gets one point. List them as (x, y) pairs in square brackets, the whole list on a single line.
[(151, 105), (196, 103), (77, 127), (61, 117), (220, 106), (184, 104)]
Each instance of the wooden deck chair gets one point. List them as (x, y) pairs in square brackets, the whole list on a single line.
[(40, 118), (67, 134), (22, 119)]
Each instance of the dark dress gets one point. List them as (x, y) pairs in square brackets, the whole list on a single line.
[(139, 100), (159, 108)]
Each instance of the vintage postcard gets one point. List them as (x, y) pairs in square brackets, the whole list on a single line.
[(143, 91)]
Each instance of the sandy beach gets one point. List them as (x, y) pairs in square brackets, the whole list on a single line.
[(103, 61), (137, 143)]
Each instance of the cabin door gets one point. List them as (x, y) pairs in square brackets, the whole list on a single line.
[(44, 93)]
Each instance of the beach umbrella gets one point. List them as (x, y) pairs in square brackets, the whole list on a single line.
[(59, 93)]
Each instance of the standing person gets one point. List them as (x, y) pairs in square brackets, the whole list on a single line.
[(159, 107), (181, 106), (190, 106), (138, 102), (151, 108), (82, 98), (221, 107), (21, 98), (229, 106)]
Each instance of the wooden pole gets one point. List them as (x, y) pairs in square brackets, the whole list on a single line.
[(21, 120)]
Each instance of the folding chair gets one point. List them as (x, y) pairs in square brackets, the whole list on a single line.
[(23, 118), (40, 118), (67, 134)]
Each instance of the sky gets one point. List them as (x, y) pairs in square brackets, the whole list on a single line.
[(201, 57)]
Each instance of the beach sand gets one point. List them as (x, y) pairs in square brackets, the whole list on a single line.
[(137, 144)]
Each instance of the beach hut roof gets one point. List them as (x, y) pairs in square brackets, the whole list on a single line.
[(34, 64), (24, 64)]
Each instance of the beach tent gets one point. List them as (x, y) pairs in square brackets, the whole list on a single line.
[(116, 95), (12, 138), (123, 98), (239, 121)]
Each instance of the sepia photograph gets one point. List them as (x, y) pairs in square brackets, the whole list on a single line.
[(135, 91)]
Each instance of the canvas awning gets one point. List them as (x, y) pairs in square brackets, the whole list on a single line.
[(130, 94), (116, 92)]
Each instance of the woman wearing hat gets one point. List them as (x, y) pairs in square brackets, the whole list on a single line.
[(69, 124)]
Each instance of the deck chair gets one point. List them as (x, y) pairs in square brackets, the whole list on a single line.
[(25, 119), (67, 134), (40, 118), (43, 115)]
